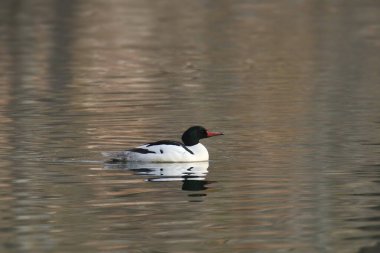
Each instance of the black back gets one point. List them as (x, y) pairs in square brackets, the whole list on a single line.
[(167, 142)]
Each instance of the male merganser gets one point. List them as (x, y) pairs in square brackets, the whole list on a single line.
[(168, 151)]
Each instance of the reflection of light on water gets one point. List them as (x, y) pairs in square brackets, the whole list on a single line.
[(193, 175)]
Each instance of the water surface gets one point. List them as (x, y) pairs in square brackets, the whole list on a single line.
[(294, 85)]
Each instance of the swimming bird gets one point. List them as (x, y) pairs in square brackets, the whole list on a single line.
[(191, 150)]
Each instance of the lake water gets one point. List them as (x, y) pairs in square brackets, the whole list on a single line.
[(294, 85)]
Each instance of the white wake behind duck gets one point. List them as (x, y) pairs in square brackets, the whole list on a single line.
[(191, 150)]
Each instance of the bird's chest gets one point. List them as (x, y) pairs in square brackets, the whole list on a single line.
[(199, 152)]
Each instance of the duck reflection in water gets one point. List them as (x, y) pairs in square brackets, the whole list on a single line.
[(193, 175)]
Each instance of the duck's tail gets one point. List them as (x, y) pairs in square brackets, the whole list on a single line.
[(114, 156)]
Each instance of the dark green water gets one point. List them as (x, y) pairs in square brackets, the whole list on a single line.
[(294, 85)]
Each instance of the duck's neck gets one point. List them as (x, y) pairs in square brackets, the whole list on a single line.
[(189, 141)]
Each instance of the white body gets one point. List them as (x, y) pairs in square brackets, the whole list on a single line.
[(163, 153)]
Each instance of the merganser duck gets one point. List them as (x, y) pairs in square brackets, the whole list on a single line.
[(191, 150)]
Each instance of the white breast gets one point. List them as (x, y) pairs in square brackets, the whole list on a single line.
[(200, 152)]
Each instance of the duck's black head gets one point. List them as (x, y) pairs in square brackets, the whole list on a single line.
[(192, 135)]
